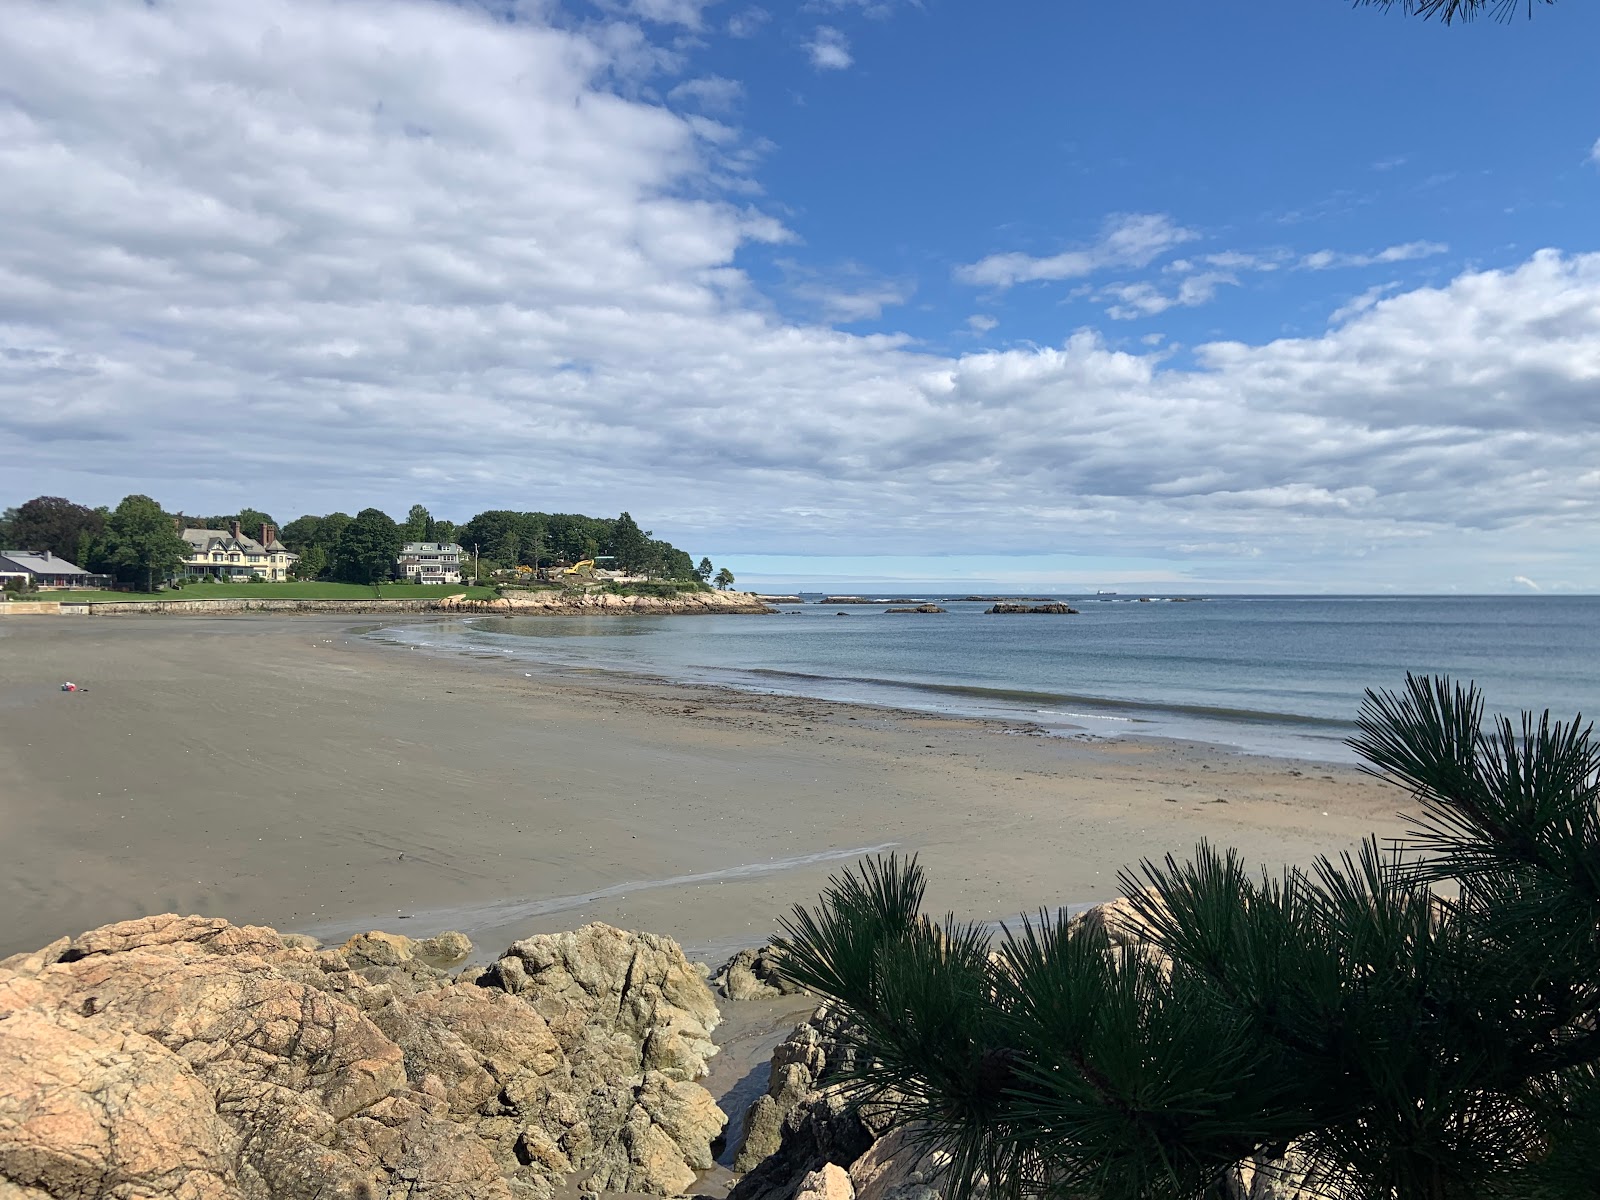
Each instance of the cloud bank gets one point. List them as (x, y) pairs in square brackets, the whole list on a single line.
[(317, 254)]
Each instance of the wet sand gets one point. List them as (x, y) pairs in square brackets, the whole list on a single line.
[(284, 771)]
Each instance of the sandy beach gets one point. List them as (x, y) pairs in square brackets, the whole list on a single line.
[(286, 771)]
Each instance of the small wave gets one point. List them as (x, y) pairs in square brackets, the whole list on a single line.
[(1051, 700)]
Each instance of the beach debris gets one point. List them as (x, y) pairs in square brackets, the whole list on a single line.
[(69, 687)]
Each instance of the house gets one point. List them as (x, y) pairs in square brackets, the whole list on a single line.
[(41, 569), (429, 562), (230, 555)]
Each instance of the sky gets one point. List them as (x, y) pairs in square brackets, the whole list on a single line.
[(1232, 297)]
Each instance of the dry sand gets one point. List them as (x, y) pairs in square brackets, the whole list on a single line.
[(284, 771)]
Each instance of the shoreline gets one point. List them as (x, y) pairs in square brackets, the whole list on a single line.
[(1024, 720), (294, 773)]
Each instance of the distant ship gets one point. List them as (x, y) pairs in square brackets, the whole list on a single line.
[(1105, 593)]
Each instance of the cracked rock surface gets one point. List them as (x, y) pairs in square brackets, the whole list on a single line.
[(187, 1057)]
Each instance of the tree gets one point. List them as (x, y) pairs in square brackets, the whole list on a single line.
[(418, 526), (630, 545), (703, 571), (302, 533), (367, 548), (313, 563), (1403, 1042), (142, 541), (724, 579), (55, 524), (1451, 10)]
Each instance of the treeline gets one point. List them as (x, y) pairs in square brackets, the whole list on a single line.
[(502, 539), (138, 542)]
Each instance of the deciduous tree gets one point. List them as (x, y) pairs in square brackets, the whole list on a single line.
[(52, 523), (142, 541), (724, 579), (367, 548)]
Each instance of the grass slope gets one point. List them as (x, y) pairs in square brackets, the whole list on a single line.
[(279, 591)]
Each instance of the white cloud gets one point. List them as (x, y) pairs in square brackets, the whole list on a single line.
[(748, 23), (310, 254), (981, 323), (1126, 240), (1594, 152), (829, 49), (1322, 260), (687, 13), (1140, 299), (1524, 581), (711, 92)]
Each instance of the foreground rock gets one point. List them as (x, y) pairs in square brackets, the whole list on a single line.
[(753, 975), (804, 1122), (921, 608), (189, 1057)]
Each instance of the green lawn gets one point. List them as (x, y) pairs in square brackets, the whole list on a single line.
[(279, 591)]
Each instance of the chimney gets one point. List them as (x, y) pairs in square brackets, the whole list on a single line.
[(236, 531), (45, 555), (269, 534)]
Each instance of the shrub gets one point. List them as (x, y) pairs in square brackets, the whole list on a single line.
[(1405, 1043)]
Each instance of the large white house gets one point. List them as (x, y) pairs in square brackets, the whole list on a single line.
[(227, 554), (429, 562)]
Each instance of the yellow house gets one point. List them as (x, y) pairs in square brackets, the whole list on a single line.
[(230, 555)]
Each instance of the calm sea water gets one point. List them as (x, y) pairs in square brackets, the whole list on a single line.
[(1277, 675)]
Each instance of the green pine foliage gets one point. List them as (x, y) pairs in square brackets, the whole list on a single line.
[(1413, 1022)]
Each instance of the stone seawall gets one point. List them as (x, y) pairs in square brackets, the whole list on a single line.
[(536, 604)]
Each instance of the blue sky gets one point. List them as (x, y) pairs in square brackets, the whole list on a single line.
[(855, 293)]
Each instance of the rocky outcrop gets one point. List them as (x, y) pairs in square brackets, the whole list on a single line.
[(921, 608), (1062, 609), (189, 1057), (753, 975), (634, 1019), (605, 604), (804, 1121)]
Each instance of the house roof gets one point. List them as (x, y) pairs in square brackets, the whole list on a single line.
[(205, 540), (39, 562), (430, 548)]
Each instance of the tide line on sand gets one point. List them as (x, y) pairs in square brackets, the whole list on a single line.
[(496, 913)]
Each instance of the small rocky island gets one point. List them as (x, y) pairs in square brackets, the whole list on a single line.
[(921, 608), (1053, 607)]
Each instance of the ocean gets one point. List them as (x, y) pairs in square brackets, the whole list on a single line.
[(1274, 675)]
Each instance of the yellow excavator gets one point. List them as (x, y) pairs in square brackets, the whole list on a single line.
[(586, 567)]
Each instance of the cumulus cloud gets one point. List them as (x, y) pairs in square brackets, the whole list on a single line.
[(829, 49), (1133, 300), (311, 254), (1322, 260), (1126, 240), (981, 323)]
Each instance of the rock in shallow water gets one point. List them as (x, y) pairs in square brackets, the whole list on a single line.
[(186, 1056)]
